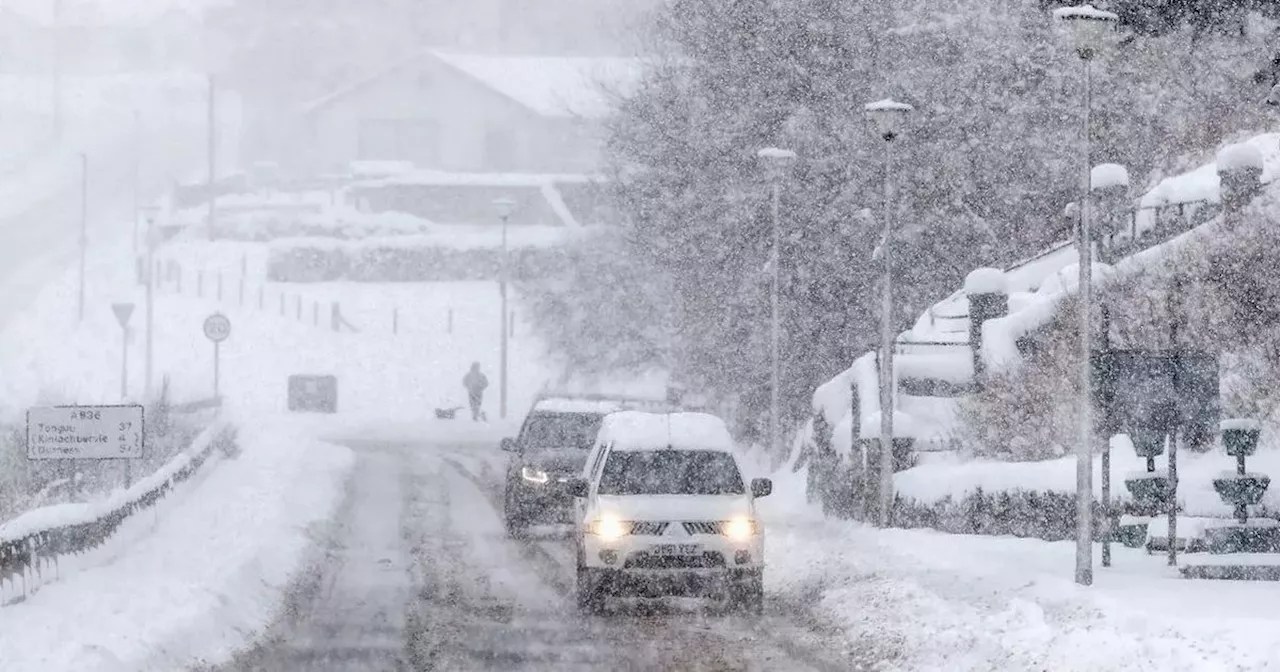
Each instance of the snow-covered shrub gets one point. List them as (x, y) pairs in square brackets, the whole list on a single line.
[(407, 259), (1021, 513), (14, 475), (1221, 277)]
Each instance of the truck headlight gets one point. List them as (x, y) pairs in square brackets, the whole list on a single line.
[(533, 475), (740, 529), (609, 529)]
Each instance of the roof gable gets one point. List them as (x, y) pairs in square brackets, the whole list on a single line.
[(549, 86)]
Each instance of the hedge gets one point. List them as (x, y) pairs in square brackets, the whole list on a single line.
[(371, 262)]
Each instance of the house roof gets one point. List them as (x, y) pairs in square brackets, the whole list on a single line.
[(551, 86), (109, 13)]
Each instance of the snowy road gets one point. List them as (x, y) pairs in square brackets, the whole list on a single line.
[(420, 575)]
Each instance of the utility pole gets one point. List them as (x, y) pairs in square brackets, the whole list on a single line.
[(213, 153), (84, 229), (775, 323), (150, 318), (137, 169), (56, 83)]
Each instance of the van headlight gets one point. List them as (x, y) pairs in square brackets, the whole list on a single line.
[(740, 529), (533, 475), (609, 529)]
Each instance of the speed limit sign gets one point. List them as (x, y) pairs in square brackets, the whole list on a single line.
[(217, 327)]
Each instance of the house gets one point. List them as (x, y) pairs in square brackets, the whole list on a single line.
[(459, 112)]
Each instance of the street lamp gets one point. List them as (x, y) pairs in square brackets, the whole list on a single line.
[(1089, 29), (505, 207), (777, 165), (887, 117)]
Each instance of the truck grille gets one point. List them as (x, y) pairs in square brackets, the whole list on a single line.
[(708, 560), (648, 528), (702, 527)]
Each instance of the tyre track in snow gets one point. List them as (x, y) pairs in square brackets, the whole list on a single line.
[(801, 645), (422, 576)]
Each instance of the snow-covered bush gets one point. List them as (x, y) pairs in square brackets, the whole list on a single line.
[(1229, 294), (408, 260)]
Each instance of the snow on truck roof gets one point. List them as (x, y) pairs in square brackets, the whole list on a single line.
[(569, 405), (636, 430)]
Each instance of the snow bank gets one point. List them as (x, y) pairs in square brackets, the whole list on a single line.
[(207, 579), (930, 483), (61, 515), (923, 601)]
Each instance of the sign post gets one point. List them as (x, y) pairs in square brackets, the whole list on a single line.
[(217, 328), (123, 311), (85, 432)]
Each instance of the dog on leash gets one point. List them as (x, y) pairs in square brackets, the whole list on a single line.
[(447, 413)]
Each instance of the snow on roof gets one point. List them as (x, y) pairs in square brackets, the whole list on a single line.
[(955, 366), (552, 86), (109, 13), (1248, 424), (636, 430), (1085, 12), (428, 177), (1238, 156), (775, 153), (380, 168), (555, 86), (985, 281), (570, 405), (887, 105), (1106, 175)]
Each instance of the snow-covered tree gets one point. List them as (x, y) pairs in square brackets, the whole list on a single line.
[(991, 157)]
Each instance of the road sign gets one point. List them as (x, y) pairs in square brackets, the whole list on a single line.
[(217, 327), (84, 432), (122, 311)]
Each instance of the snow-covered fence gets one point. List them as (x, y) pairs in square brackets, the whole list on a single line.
[(239, 291), (32, 544)]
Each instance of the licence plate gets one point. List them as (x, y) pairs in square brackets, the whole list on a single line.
[(668, 550)]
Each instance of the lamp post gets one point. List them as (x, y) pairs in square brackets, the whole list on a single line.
[(777, 165), (84, 228), (887, 117), (150, 214), (505, 207), (1088, 28)]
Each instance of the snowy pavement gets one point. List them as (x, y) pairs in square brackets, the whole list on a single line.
[(423, 576), (196, 577), (923, 600)]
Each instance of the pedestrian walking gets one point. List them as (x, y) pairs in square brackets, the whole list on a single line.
[(476, 382)]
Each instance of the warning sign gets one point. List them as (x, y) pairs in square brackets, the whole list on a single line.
[(84, 432)]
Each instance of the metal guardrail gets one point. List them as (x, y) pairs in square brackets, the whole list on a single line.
[(30, 555)]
